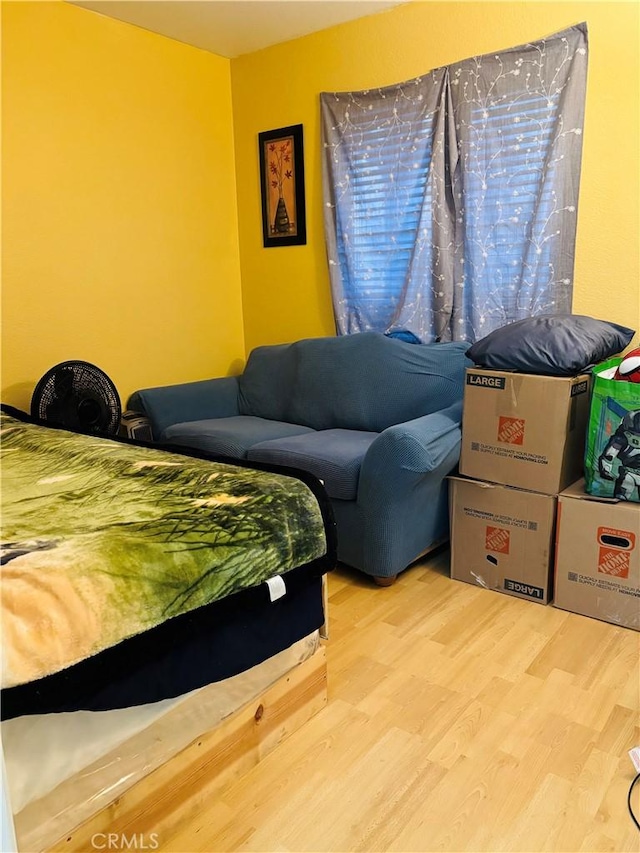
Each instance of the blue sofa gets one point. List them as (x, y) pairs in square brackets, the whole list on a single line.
[(375, 418)]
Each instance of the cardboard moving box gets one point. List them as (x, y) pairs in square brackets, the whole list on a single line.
[(502, 538), (597, 571), (524, 430)]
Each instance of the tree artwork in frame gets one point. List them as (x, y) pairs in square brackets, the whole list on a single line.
[(282, 185)]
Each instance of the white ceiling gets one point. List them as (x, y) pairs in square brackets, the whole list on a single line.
[(233, 27)]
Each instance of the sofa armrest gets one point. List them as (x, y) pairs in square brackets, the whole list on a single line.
[(188, 401), (402, 501), (410, 450)]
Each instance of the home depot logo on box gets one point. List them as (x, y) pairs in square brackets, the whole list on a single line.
[(510, 430), (497, 539), (615, 551)]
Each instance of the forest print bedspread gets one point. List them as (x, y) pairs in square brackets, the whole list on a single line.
[(103, 540)]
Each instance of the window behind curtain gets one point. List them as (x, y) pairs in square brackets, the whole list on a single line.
[(379, 189), (451, 199)]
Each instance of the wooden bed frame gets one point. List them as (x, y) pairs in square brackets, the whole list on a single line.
[(169, 795)]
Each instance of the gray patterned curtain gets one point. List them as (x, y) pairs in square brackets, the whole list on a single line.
[(451, 199)]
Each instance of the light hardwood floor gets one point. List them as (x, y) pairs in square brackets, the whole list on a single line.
[(459, 719)]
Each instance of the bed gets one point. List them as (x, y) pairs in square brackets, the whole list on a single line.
[(161, 621)]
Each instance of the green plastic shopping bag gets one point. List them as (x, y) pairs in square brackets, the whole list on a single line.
[(612, 456)]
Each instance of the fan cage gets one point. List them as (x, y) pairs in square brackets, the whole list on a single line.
[(80, 396)]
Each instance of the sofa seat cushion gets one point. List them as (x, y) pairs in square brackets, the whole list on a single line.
[(332, 455), (229, 436)]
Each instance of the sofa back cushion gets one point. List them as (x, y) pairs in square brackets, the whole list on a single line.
[(266, 384), (364, 381)]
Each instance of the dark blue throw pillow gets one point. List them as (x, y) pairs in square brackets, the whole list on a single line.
[(554, 344)]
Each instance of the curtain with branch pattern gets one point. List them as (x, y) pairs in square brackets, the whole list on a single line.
[(451, 199)]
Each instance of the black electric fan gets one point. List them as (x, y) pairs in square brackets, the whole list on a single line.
[(79, 396)]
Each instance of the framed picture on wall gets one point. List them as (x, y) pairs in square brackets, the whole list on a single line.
[(282, 186)]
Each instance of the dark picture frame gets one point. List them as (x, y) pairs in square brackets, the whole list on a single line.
[(282, 187)]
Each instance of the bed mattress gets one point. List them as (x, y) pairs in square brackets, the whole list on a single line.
[(207, 645), (133, 573)]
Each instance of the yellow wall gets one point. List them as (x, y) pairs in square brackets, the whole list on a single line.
[(120, 239), (286, 291)]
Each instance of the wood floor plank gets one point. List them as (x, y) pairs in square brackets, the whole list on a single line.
[(545, 810), (586, 794), (578, 640), (617, 734)]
